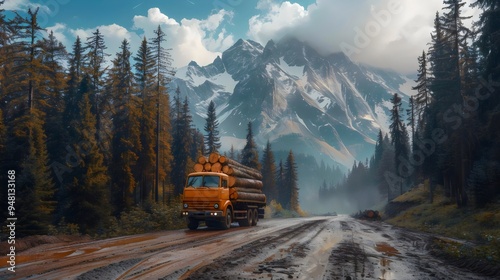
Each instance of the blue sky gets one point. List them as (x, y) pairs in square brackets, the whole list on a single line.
[(383, 33)]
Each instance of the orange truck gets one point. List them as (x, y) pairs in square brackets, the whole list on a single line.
[(218, 200)]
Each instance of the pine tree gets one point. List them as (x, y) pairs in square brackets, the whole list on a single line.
[(423, 97), (53, 79), (72, 97), (399, 137), (281, 197), (379, 148), (250, 155), (102, 103), (126, 142), (182, 136), (22, 88), (453, 161), (35, 193), (387, 166), (232, 152), (88, 194), (212, 139), (269, 173), (164, 71), (291, 183), (96, 59), (145, 79)]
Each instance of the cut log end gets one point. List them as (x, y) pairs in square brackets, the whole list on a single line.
[(213, 158), (202, 160), (198, 167)]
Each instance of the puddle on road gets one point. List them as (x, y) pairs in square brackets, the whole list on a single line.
[(386, 249), (386, 272)]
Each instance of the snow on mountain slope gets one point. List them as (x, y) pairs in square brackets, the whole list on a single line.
[(325, 106)]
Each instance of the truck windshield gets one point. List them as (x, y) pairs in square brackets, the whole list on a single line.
[(203, 181)]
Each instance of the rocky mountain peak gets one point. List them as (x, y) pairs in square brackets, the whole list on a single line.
[(325, 106)]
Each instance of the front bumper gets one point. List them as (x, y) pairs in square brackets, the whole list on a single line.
[(203, 215)]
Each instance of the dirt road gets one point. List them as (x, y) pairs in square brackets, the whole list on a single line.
[(307, 248)]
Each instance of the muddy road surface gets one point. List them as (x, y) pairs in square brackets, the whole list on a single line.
[(306, 248)]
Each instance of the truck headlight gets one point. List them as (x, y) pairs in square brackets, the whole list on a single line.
[(185, 205), (216, 205)]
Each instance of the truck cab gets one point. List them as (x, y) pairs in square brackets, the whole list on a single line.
[(207, 198)]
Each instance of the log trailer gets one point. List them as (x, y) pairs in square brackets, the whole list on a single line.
[(213, 194)]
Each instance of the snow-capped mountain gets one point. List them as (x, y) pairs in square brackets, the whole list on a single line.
[(325, 106)]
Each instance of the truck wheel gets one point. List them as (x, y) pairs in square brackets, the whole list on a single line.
[(193, 224), (248, 221), (226, 224), (255, 217)]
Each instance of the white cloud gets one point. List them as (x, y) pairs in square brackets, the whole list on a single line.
[(17, 5), (384, 33), (191, 39)]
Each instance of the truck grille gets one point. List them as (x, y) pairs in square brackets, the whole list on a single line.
[(200, 204)]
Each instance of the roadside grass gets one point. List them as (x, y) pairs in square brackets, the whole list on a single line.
[(275, 210), (148, 218), (442, 217)]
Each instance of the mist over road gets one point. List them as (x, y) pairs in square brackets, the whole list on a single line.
[(303, 248)]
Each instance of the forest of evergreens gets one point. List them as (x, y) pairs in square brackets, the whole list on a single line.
[(450, 134), (96, 141)]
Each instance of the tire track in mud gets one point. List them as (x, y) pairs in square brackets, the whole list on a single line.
[(276, 256), (349, 260)]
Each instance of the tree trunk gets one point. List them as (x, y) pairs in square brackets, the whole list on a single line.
[(245, 183), (202, 160), (198, 167), (244, 173), (213, 158), (251, 196), (216, 167), (208, 167)]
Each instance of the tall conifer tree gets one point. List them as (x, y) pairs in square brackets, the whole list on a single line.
[(145, 79), (88, 194), (291, 183), (212, 139), (399, 137), (126, 142), (269, 173), (182, 141), (250, 155), (164, 72)]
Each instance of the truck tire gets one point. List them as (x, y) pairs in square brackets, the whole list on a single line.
[(193, 224), (248, 221), (226, 224), (255, 219)]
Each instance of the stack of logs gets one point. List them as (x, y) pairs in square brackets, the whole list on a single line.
[(245, 180)]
